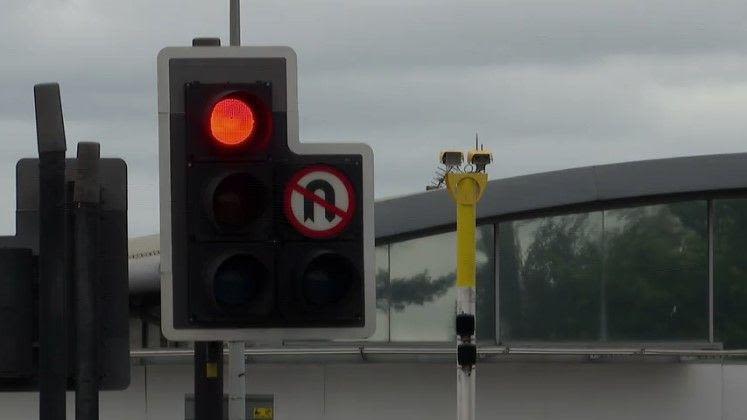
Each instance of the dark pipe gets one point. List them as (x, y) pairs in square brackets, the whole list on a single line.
[(86, 199), (50, 133), (208, 380)]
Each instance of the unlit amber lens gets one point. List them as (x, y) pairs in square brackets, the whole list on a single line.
[(231, 122)]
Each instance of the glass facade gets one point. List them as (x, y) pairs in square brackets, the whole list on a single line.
[(632, 274), (422, 287), (550, 271), (730, 272), (382, 296), (638, 274), (656, 272)]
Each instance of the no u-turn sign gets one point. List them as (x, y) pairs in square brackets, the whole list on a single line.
[(319, 201)]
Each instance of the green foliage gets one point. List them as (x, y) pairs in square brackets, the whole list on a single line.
[(656, 272), (418, 289), (629, 274), (554, 294), (731, 273)]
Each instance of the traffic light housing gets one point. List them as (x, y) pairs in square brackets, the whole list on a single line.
[(262, 237), (19, 280)]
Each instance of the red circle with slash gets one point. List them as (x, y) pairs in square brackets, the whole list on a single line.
[(319, 201)]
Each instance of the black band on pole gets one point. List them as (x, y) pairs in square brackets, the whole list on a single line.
[(208, 380), (86, 199), (50, 132)]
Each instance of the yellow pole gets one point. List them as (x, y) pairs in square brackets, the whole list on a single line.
[(466, 189)]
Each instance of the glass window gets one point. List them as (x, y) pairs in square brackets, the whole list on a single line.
[(381, 334), (485, 284), (549, 277), (633, 274), (382, 292), (656, 272), (730, 272), (422, 287)]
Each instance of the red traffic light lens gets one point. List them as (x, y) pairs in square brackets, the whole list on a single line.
[(231, 121)]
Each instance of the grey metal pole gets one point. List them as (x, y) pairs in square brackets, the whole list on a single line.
[(236, 381), (237, 363), (234, 23), (86, 199), (50, 132)]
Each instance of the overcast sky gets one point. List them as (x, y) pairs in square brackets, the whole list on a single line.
[(547, 84)]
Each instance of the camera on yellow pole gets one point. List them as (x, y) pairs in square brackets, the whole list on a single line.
[(466, 185)]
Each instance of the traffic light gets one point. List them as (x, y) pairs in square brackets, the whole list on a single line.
[(17, 326), (19, 283), (262, 237)]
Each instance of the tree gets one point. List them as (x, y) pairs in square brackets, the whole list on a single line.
[(656, 270), (556, 280), (731, 273)]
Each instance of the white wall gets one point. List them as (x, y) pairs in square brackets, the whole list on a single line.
[(516, 391)]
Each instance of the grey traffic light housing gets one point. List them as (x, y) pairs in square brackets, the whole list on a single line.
[(190, 246)]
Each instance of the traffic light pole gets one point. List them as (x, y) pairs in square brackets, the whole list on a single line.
[(86, 199), (234, 23), (236, 381), (236, 360), (208, 380), (466, 189), (50, 132)]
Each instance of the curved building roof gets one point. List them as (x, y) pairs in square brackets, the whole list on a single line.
[(581, 188)]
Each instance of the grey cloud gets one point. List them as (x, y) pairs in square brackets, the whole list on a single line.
[(548, 84)]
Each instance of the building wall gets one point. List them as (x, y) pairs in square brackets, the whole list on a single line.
[(517, 391)]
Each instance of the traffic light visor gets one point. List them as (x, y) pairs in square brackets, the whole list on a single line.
[(232, 121)]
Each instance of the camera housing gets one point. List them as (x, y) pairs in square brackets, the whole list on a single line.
[(480, 158), (452, 157)]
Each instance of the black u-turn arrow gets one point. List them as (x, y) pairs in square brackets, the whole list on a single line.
[(329, 196)]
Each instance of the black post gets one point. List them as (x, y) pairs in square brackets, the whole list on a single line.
[(208, 380), (86, 199), (50, 132)]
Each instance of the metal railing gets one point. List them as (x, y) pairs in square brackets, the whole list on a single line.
[(485, 352)]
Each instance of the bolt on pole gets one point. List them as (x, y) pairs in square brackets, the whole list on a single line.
[(466, 189)]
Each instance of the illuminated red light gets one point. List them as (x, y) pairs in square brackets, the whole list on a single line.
[(231, 121)]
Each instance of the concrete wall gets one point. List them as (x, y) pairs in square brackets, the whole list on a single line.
[(516, 391)]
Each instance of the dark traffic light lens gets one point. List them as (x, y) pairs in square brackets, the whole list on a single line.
[(231, 121), (238, 281), (238, 200), (328, 279)]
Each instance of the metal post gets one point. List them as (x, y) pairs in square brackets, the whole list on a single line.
[(208, 380), (234, 23), (237, 381), (466, 189), (50, 133), (86, 199)]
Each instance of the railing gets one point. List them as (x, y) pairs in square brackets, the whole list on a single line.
[(431, 353)]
